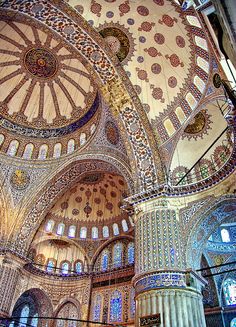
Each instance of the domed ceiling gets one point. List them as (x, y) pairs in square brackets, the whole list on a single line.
[(163, 50), (95, 201), (46, 89)]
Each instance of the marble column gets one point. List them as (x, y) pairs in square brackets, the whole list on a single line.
[(162, 284), (9, 274)]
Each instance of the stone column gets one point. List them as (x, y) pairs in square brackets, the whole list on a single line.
[(162, 284), (9, 273)]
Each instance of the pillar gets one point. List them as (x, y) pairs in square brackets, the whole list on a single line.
[(9, 274), (163, 285)]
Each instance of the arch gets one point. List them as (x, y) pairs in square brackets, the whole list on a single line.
[(208, 219), (39, 303), (64, 303), (111, 77), (107, 243), (63, 179)]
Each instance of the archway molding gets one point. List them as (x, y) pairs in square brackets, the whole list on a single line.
[(63, 179)]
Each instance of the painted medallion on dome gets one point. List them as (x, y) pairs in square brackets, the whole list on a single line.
[(40, 62), (20, 179)]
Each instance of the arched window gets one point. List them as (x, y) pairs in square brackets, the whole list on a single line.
[(78, 267), (82, 139), (115, 229), (12, 149), (92, 128), (105, 231), (72, 231), (43, 151), (60, 229), (225, 235), (124, 225), (116, 307), (51, 265), (230, 291), (233, 323), (71, 146), (131, 253), (104, 260), (24, 316), (34, 321), (117, 255), (65, 268), (94, 232), (57, 150), (97, 308), (49, 226), (83, 232), (28, 151)]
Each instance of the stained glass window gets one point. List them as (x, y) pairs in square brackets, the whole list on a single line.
[(24, 316), (82, 139), (92, 128), (12, 149), (43, 151), (225, 235), (65, 268), (34, 322), (104, 260), (60, 229), (28, 151), (230, 291), (78, 267), (132, 303), (83, 232), (71, 231), (105, 231), (49, 226), (70, 146), (115, 229), (116, 307), (50, 265), (131, 253), (233, 323), (94, 232), (57, 150), (117, 255), (97, 308), (124, 225)]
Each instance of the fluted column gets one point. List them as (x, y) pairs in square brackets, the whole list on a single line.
[(9, 274), (162, 284)]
